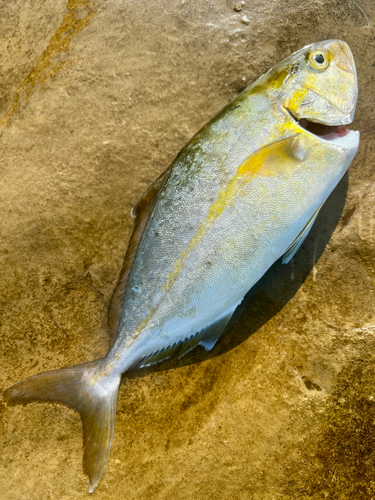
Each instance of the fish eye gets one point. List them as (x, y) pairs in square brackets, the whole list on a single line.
[(318, 60)]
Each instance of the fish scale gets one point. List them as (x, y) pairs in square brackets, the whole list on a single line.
[(244, 192)]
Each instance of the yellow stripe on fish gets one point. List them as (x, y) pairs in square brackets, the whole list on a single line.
[(269, 161)]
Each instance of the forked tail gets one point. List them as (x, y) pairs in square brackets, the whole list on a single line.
[(86, 390)]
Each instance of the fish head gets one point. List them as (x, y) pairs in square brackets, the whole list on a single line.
[(318, 83)]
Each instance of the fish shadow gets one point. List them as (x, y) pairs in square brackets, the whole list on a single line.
[(272, 292)]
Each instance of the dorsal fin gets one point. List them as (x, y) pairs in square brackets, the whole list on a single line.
[(142, 211)]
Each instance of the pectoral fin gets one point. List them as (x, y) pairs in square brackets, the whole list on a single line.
[(280, 156), (295, 246)]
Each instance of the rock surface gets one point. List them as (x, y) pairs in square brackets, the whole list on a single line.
[(96, 100)]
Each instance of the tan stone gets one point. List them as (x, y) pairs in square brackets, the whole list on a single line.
[(96, 100)]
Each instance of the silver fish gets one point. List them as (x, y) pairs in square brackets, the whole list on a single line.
[(243, 192)]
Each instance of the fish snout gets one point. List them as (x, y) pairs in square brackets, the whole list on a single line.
[(348, 119), (345, 59), (344, 95)]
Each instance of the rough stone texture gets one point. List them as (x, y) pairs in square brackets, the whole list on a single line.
[(96, 99)]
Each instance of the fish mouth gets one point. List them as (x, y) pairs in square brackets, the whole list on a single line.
[(320, 130)]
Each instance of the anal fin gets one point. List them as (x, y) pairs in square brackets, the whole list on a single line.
[(207, 338)]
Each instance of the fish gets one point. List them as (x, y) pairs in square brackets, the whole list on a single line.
[(243, 193)]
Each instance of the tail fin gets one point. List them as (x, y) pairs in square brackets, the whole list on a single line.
[(83, 388)]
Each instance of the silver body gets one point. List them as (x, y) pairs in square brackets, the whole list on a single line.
[(239, 246)]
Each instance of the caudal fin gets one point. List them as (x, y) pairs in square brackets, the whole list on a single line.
[(83, 388)]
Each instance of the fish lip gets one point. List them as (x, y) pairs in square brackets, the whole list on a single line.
[(323, 137), (347, 119)]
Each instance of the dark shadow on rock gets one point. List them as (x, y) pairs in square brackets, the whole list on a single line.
[(272, 292)]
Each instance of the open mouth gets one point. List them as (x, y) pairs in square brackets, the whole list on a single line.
[(326, 132)]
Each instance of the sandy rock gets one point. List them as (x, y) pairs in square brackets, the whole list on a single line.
[(96, 100)]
